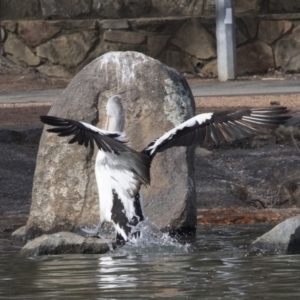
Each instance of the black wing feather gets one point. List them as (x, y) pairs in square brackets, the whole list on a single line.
[(223, 126), (84, 135)]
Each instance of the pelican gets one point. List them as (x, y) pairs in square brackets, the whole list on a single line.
[(120, 170)]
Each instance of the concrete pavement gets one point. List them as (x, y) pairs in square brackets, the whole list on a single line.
[(245, 88), (43, 96), (201, 89)]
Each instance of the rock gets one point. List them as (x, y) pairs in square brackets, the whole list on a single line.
[(284, 6), (251, 24), (210, 69), (156, 44), (54, 70), (63, 243), (65, 194), (262, 172), (256, 57), (2, 35), (125, 37), (18, 236), (15, 9), (282, 239), (177, 8), (270, 31), (21, 54), (296, 34), (289, 190), (240, 35), (114, 24), (242, 6), (65, 9), (29, 136), (294, 64), (286, 49), (195, 40), (75, 25), (17, 166), (36, 32), (177, 60), (210, 8), (165, 26), (111, 9), (67, 50), (9, 25), (202, 152)]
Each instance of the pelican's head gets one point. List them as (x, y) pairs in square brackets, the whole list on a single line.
[(115, 114)]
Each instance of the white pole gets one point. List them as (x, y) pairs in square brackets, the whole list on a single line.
[(226, 45)]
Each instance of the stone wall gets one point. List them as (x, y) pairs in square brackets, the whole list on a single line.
[(60, 37)]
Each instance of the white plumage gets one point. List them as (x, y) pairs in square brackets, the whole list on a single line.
[(120, 171)]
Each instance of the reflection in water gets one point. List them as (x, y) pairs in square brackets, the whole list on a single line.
[(215, 267)]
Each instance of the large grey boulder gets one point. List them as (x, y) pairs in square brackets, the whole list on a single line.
[(282, 239), (156, 98)]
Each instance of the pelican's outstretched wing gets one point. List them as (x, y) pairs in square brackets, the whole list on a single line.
[(214, 128), (109, 142)]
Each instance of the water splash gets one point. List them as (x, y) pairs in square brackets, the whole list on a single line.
[(152, 241)]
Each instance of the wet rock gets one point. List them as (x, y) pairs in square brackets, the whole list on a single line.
[(64, 243), (67, 9), (18, 236), (36, 32), (256, 57), (282, 239), (195, 40), (65, 195), (21, 54), (67, 50), (269, 31)]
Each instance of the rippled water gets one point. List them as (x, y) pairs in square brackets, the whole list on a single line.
[(214, 266)]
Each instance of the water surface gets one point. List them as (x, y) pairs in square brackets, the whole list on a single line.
[(213, 266)]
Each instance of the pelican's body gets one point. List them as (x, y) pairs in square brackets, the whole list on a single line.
[(118, 201), (120, 171)]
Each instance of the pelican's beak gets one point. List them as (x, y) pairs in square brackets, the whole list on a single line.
[(108, 123)]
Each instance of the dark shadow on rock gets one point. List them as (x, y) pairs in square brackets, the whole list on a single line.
[(294, 244)]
